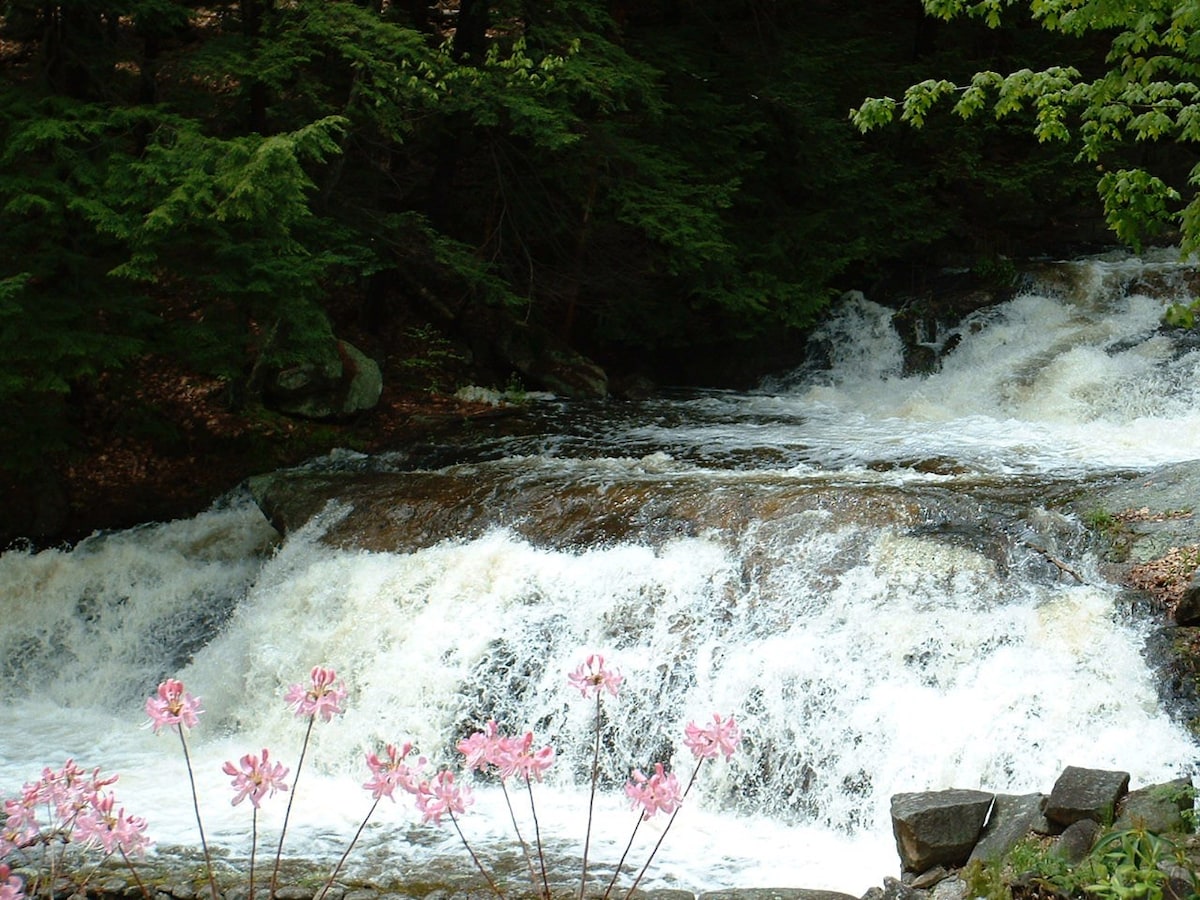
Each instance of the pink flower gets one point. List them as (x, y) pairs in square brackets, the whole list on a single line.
[(517, 757), (255, 779), (173, 706), (11, 887), (722, 736), (20, 829), (442, 795), (100, 826), (592, 676), (66, 795), (323, 697), (67, 791), (657, 793), (391, 772), (483, 748)]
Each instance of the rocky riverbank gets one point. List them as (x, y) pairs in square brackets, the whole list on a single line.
[(1146, 529), (1089, 829)]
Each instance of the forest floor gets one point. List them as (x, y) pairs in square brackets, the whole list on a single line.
[(130, 467)]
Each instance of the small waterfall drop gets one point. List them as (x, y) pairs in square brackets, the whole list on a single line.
[(878, 623)]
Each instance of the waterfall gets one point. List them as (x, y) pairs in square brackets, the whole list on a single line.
[(846, 571)]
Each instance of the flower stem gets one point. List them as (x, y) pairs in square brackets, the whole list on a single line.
[(288, 812), (537, 835), (621, 862), (253, 847), (341, 862), (512, 815), (133, 871), (587, 838), (479, 865), (212, 882), (662, 837)]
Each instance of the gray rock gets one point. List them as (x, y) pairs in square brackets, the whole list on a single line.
[(1187, 612), (1077, 840), (1167, 489), (938, 827), (1157, 808), (1086, 794), (766, 894), (345, 381), (950, 889), (1013, 817), (893, 889), (929, 878)]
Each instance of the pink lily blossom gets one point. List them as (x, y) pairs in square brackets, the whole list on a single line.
[(656, 793), (592, 676), (100, 826), (20, 829), (391, 771), (322, 697), (255, 778), (66, 795), (483, 748), (11, 887), (721, 737), (517, 757), (172, 706), (442, 795), (68, 791), (488, 749)]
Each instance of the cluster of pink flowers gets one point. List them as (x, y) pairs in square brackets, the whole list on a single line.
[(441, 795), (390, 771), (112, 831), (490, 751), (323, 696), (78, 809), (84, 811), (255, 778), (655, 793), (434, 797), (719, 738)]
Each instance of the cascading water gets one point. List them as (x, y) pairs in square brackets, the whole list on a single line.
[(853, 562)]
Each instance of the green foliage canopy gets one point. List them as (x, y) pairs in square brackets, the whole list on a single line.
[(1147, 93)]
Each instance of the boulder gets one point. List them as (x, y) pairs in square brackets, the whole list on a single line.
[(938, 827), (1013, 818), (1187, 612), (550, 364), (1077, 840), (1157, 808), (345, 381), (1086, 794)]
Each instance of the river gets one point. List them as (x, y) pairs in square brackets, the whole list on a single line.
[(854, 562)]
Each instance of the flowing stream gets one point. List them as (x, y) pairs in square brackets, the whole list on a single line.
[(855, 563)]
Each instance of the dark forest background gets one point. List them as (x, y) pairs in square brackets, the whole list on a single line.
[(194, 196)]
